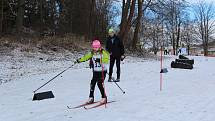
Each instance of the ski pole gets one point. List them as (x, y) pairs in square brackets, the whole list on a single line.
[(117, 85), (53, 78)]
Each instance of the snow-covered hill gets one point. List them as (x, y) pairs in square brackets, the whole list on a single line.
[(187, 95)]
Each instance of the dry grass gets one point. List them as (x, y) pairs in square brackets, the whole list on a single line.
[(70, 43)]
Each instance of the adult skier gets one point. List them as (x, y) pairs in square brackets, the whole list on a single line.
[(116, 49)]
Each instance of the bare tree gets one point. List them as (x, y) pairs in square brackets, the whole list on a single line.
[(127, 16), (139, 20), (138, 23), (156, 34), (41, 17), (2, 16), (175, 19), (171, 14), (20, 15), (204, 14), (188, 33)]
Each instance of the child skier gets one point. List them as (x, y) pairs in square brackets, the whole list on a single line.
[(99, 58)]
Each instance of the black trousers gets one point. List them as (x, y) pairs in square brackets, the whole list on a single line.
[(97, 78), (112, 61)]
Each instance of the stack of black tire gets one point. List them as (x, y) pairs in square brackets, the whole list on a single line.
[(183, 63)]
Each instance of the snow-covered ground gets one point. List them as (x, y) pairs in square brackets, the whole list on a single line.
[(16, 63), (187, 95)]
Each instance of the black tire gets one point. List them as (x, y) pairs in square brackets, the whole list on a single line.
[(182, 57), (181, 65), (191, 62)]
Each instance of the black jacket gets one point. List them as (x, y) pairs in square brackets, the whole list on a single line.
[(115, 48)]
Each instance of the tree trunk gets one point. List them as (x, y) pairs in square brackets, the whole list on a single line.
[(188, 49), (206, 38), (178, 36), (125, 30), (20, 15), (2, 16), (125, 9), (91, 17), (205, 50), (41, 17), (173, 43), (53, 18), (137, 28), (123, 12)]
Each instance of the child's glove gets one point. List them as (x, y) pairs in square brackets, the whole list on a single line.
[(77, 61)]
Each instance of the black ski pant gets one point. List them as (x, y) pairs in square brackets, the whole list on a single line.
[(98, 77), (112, 61)]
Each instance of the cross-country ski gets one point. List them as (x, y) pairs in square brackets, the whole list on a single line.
[(98, 104), (79, 106)]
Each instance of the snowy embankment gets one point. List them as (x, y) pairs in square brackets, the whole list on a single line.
[(15, 64), (187, 95)]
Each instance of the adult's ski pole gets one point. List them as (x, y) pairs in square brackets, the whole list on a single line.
[(117, 84)]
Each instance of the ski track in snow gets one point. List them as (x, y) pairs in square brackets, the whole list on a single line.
[(187, 95)]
